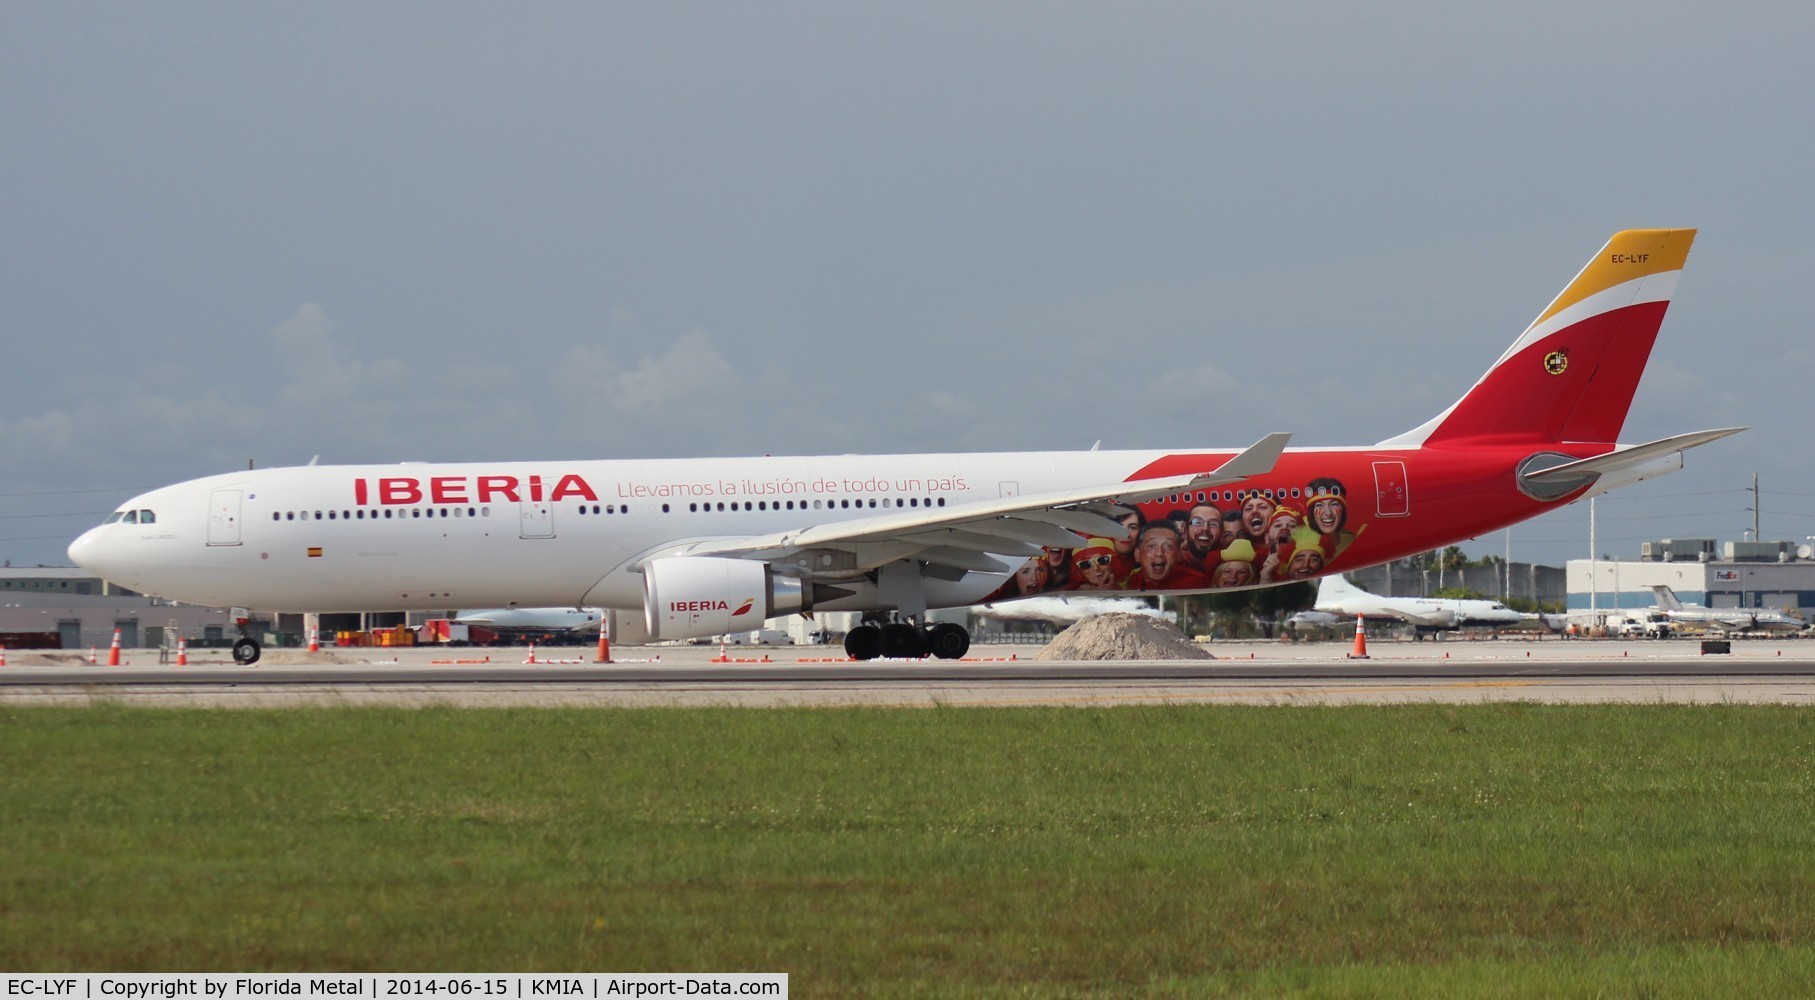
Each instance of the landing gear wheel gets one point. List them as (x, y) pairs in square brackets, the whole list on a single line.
[(245, 652), (947, 640), (863, 642), (901, 641)]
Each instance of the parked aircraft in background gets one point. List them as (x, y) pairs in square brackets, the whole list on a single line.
[(1336, 595), (1695, 616), (710, 546), (1314, 619), (1063, 611), (532, 621)]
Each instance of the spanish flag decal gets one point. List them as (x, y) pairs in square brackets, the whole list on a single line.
[(314, 552)]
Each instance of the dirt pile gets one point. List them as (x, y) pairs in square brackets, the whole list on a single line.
[(1123, 636)]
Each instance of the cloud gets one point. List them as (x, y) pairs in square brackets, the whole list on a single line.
[(690, 374), (36, 438)]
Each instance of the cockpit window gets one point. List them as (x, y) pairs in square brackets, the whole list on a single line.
[(147, 517), (114, 517), (132, 517)]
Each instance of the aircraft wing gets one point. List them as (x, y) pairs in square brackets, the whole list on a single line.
[(968, 536)]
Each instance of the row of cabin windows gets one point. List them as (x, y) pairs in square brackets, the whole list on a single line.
[(1230, 496), (389, 514), (419, 512), (845, 504), (1201, 496)]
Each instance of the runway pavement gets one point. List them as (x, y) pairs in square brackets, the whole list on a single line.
[(1457, 671)]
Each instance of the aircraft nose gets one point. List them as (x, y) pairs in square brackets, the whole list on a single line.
[(93, 551), (82, 550)]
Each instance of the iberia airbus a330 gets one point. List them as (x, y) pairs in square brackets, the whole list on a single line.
[(707, 546)]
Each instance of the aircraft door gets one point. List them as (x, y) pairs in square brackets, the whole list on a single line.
[(1392, 496), (537, 518), (223, 517)]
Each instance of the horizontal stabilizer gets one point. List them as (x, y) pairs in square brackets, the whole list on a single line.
[(1625, 458)]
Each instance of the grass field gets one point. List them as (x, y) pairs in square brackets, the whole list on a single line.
[(1172, 850)]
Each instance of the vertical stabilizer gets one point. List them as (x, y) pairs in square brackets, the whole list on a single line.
[(1572, 374)]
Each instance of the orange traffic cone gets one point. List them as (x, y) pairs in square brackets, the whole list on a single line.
[(113, 652), (532, 653), (1361, 638), (604, 646), (93, 660), (315, 640), (182, 652), (721, 658), (2, 656)]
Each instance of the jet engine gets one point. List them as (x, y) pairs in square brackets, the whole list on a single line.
[(687, 597)]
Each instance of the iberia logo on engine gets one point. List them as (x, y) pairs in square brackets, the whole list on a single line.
[(690, 606)]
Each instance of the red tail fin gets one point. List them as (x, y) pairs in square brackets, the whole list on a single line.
[(1572, 374)]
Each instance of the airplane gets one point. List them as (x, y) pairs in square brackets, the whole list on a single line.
[(1314, 619), (1697, 616), (708, 546), (1063, 611), (1336, 595), (528, 621)]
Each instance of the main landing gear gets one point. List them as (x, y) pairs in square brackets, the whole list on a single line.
[(905, 641)]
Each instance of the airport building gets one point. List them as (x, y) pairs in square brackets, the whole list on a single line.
[(68, 608), (1757, 576), (1516, 581)]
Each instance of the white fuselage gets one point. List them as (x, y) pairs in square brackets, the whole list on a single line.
[(527, 534)]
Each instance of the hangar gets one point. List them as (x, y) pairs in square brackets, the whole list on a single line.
[(1758, 576)]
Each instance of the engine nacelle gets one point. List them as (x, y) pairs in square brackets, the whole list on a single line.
[(689, 597)]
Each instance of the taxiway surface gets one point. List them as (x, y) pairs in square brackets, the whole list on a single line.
[(1770, 671)]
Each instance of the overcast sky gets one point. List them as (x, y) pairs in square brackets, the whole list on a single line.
[(379, 232)]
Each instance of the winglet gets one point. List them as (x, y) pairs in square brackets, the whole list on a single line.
[(1257, 460)]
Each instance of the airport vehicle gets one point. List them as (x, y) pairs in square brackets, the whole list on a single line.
[(1336, 595), (1641, 625), (713, 545)]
